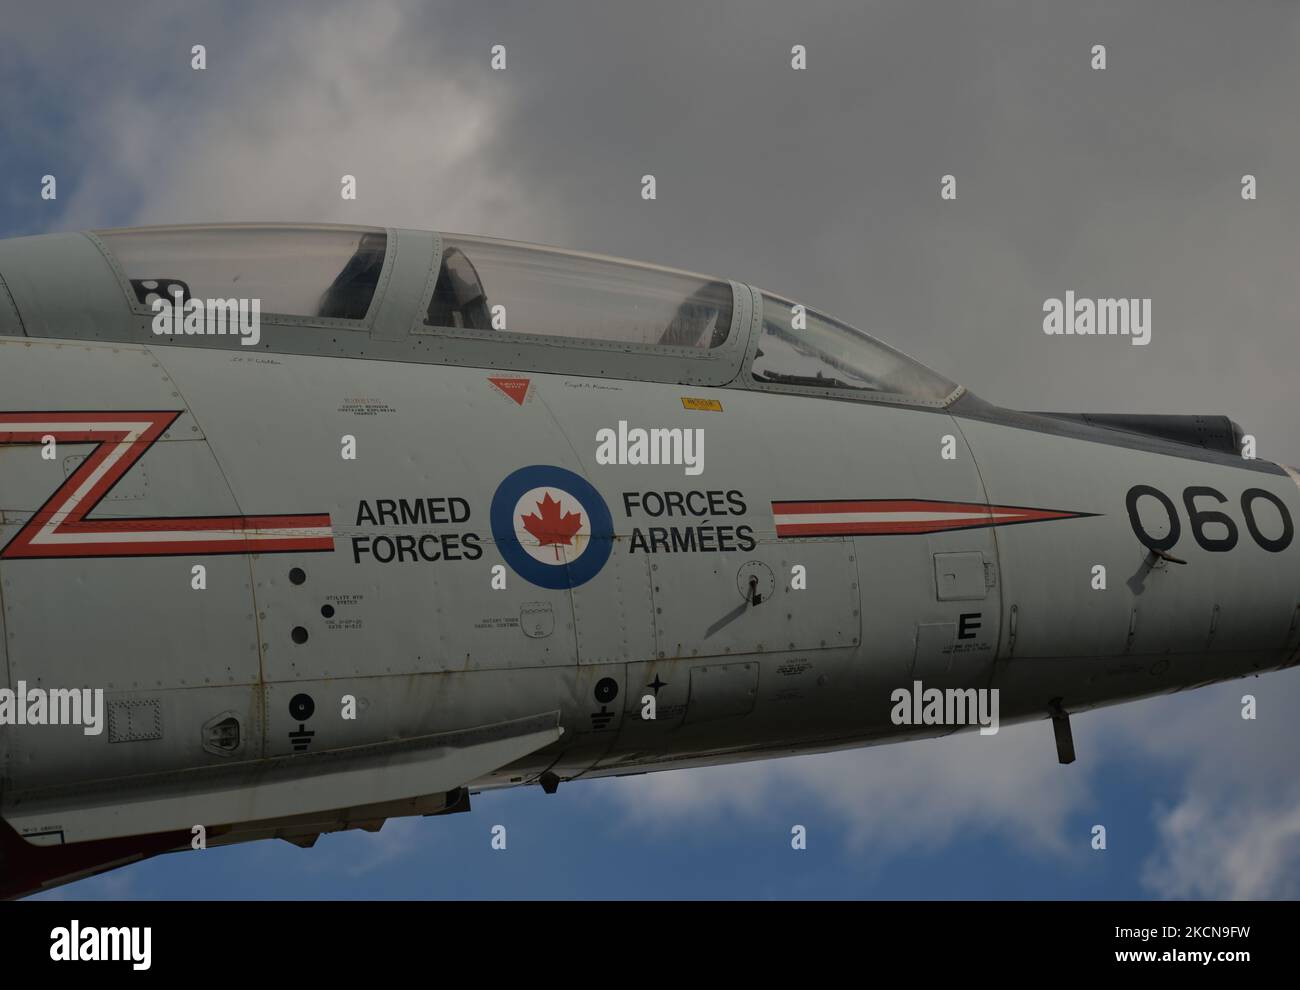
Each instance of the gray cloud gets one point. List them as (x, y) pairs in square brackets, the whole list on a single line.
[(822, 184)]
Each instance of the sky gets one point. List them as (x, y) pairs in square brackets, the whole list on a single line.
[(822, 185)]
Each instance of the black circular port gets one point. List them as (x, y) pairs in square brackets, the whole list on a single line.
[(327, 611), (297, 575), (299, 635), (606, 690), (301, 707)]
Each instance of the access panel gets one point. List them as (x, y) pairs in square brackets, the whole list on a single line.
[(791, 595)]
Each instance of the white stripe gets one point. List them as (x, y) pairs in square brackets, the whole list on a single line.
[(187, 536), (132, 431), (827, 518), (76, 497), (48, 533)]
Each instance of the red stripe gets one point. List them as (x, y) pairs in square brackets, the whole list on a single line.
[(206, 549), (152, 426), (871, 529), (1006, 515)]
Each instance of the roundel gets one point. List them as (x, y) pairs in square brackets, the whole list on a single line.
[(551, 526)]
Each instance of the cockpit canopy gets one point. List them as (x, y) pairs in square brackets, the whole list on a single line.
[(324, 271), (801, 347), (487, 284), (488, 290)]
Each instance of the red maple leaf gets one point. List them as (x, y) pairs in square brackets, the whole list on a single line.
[(550, 527)]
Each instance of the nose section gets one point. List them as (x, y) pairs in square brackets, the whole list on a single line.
[(1209, 432)]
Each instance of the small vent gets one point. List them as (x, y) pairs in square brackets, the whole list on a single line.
[(135, 720), (223, 734)]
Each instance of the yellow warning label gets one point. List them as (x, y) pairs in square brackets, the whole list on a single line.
[(709, 405)]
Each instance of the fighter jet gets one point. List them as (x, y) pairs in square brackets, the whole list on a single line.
[(307, 527)]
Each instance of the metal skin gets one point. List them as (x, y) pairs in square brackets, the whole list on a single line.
[(460, 684)]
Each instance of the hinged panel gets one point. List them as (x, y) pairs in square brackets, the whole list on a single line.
[(807, 590), (722, 690), (959, 576)]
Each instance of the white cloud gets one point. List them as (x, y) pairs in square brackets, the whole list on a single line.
[(1234, 829), (1232, 832), (1225, 852), (888, 798)]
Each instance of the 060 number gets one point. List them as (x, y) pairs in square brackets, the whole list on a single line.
[(1200, 517)]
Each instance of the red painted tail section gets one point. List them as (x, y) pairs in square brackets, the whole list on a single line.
[(28, 869)]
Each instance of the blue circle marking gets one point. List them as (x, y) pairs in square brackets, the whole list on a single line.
[(599, 523)]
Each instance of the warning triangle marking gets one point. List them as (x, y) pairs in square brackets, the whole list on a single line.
[(515, 388)]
